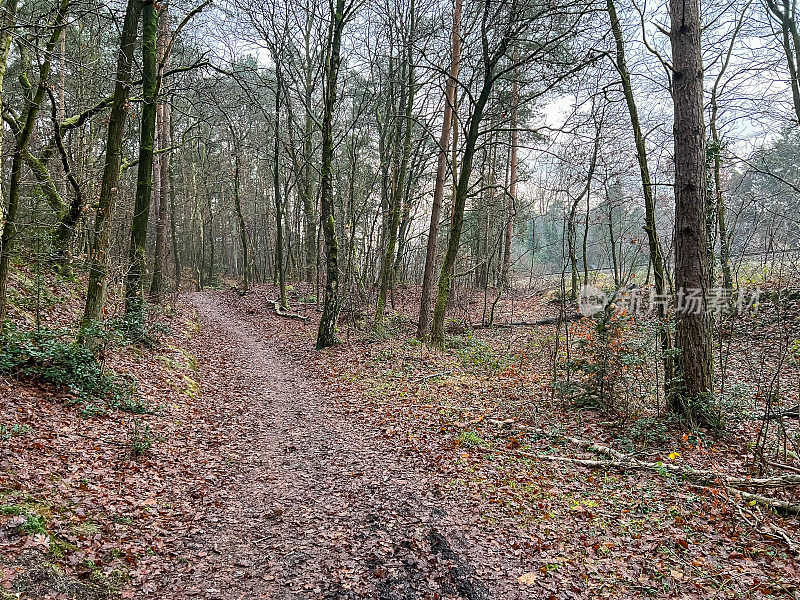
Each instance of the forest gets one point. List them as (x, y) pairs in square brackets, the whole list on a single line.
[(400, 299)]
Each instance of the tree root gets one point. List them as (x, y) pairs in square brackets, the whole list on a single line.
[(289, 315)]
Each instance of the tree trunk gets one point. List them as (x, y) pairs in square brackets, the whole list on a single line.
[(8, 21), (459, 204), (98, 256), (571, 235), (784, 13), (326, 335), (134, 285), (158, 282), (22, 135), (654, 246), (612, 239), (307, 186), (399, 188), (691, 399), (719, 199), (237, 205), (423, 323), (277, 190), (176, 259), (512, 188)]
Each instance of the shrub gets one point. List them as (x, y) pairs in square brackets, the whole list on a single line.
[(140, 438), (614, 364), (476, 353), (50, 356)]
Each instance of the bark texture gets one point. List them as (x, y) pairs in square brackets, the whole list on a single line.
[(690, 399), (162, 194), (98, 258), (326, 335), (134, 284)]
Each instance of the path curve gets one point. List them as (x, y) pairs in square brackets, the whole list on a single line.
[(318, 504)]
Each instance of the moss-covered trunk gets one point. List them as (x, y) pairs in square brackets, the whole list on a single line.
[(134, 283), (23, 129), (462, 189), (654, 246), (8, 18), (98, 256), (326, 335)]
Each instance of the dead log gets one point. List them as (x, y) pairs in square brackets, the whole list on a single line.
[(289, 315), (539, 323), (779, 481), (632, 464)]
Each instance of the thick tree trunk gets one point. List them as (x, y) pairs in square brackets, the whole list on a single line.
[(423, 323), (134, 284), (691, 398), (326, 335), (98, 256)]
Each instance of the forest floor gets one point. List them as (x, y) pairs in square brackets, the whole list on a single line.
[(261, 468)]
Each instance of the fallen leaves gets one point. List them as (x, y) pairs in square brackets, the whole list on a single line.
[(528, 578)]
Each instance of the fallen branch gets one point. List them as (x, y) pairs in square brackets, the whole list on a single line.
[(789, 413), (289, 315), (776, 465), (547, 321), (696, 476), (779, 481), (779, 505), (707, 478)]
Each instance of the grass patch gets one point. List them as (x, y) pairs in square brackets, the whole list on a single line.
[(470, 439)]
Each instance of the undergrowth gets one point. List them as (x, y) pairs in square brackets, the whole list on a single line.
[(52, 357)]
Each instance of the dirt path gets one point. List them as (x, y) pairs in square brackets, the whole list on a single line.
[(318, 504)]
